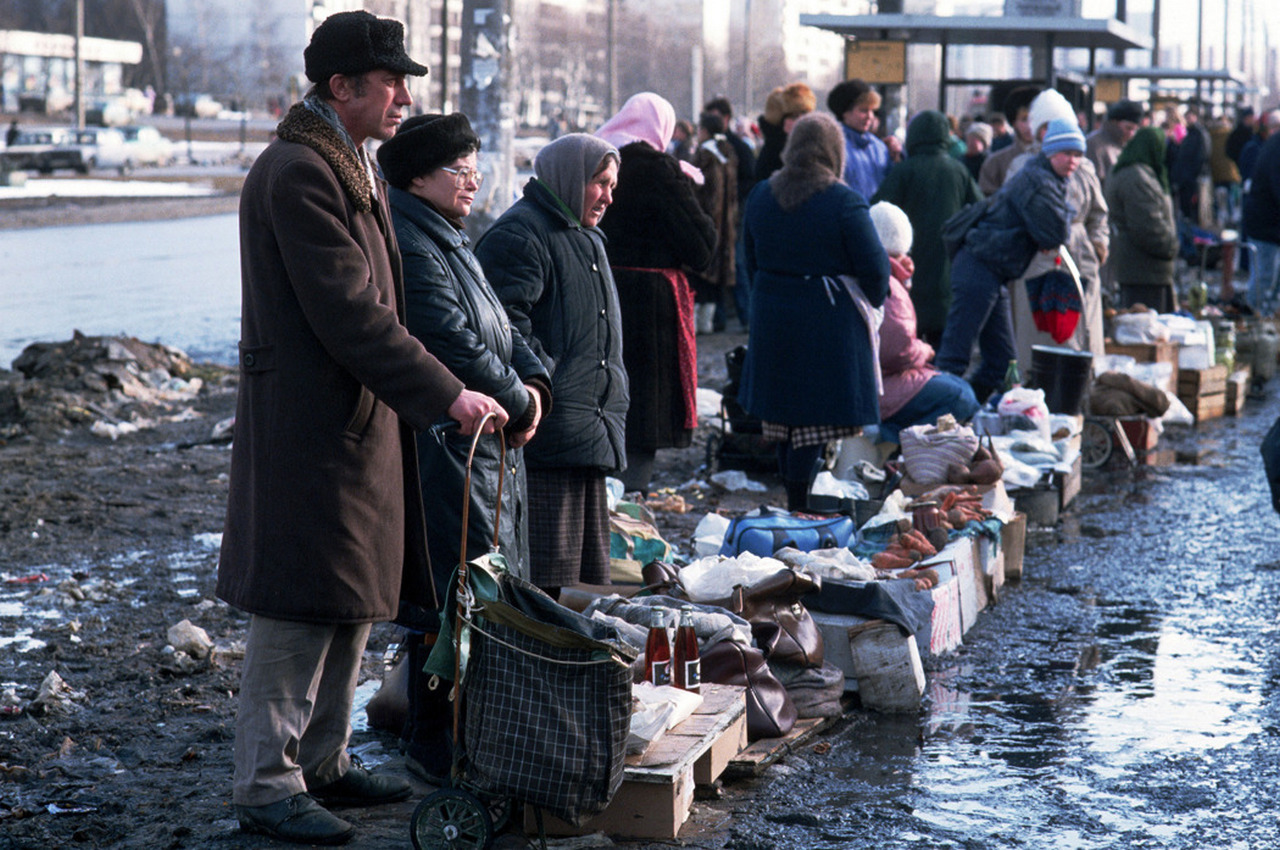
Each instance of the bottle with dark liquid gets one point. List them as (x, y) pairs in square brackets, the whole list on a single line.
[(688, 667), (657, 650)]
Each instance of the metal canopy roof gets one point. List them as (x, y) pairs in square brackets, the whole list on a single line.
[(1100, 33), (1125, 72)]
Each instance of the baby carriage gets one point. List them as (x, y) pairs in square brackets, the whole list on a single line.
[(739, 443), (541, 700)]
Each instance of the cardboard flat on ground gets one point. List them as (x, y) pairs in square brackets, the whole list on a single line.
[(657, 786), (767, 751)]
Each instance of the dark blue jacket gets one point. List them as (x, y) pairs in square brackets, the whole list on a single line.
[(1030, 213), (809, 361), (1262, 202), (553, 276)]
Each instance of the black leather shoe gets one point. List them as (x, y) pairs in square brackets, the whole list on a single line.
[(299, 819), (359, 787)]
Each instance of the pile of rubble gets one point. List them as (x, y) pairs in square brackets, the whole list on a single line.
[(114, 384)]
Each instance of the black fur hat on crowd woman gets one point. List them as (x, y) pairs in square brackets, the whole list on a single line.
[(424, 143)]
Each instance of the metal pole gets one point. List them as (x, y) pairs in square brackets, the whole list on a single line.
[(1155, 33), (611, 50), (1199, 44), (446, 103), (79, 65), (747, 94), (1122, 15)]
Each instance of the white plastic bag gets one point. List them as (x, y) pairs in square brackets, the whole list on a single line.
[(715, 577), (660, 708), (1023, 402), (708, 537), (826, 484)]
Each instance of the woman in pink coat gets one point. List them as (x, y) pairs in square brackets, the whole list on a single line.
[(913, 392)]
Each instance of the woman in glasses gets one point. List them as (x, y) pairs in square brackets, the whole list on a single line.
[(433, 170)]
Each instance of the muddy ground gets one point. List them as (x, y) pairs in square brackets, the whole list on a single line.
[(106, 543)]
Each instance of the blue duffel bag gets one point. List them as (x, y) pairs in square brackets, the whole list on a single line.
[(768, 529)]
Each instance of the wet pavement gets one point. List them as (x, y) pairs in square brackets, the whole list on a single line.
[(1123, 694)]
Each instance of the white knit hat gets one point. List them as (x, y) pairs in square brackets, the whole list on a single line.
[(894, 228), (1048, 105)]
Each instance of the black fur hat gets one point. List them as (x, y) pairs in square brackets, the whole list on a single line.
[(356, 42), (424, 143)]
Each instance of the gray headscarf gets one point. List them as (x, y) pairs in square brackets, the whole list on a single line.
[(812, 160), (566, 166)]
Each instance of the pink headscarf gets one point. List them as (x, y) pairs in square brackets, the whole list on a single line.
[(649, 118)]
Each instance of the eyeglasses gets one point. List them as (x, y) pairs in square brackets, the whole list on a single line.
[(463, 176)]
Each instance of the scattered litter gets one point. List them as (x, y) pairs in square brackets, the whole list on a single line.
[(734, 480), (35, 578), (190, 638), (70, 809), (709, 534), (55, 696)]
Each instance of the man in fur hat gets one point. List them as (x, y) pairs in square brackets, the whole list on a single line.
[(324, 533)]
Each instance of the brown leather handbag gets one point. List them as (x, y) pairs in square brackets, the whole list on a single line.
[(780, 624), (770, 711)]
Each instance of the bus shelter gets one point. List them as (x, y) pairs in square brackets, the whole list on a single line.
[(1042, 35)]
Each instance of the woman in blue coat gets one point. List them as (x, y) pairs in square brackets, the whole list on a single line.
[(809, 371)]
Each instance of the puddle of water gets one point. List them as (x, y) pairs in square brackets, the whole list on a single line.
[(1192, 693), (364, 693), (21, 641)]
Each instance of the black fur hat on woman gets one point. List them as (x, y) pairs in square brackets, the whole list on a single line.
[(424, 143)]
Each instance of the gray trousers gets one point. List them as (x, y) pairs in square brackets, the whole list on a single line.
[(294, 717)]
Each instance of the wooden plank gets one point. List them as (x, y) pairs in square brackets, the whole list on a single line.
[(759, 755), (1237, 390), (683, 745)]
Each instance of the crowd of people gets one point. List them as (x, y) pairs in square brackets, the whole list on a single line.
[(378, 340)]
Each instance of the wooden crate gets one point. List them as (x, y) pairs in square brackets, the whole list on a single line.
[(1149, 352), (1207, 406), (1237, 390), (657, 786), (1193, 383)]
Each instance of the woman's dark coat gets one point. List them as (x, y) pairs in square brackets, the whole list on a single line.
[(930, 186), (1145, 233), (810, 359), (453, 310), (324, 512), (552, 276), (655, 222)]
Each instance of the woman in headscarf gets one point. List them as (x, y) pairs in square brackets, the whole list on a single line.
[(433, 170), (810, 367), (1144, 231), (545, 258), (655, 230)]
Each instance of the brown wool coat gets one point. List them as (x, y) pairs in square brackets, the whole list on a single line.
[(324, 518)]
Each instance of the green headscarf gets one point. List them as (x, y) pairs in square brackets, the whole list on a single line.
[(1147, 147)]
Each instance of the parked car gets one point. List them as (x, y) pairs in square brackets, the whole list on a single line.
[(42, 149), (99, 147), (145, 145)]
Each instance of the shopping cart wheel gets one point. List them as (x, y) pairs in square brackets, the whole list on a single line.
[(1095, 444), (451, 819)]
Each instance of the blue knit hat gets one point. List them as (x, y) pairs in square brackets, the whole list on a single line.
[(1062, 135)]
